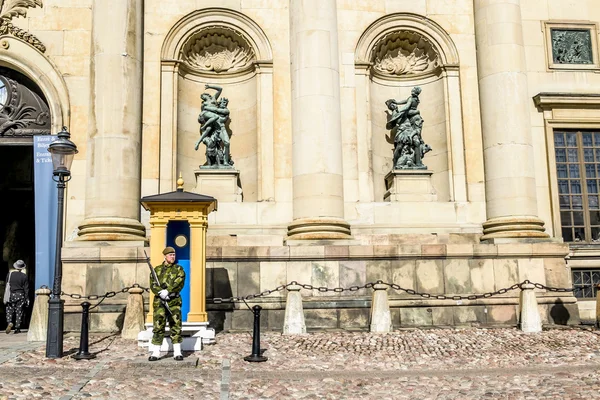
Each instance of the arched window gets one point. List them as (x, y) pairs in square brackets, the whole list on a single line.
[(24, 111)]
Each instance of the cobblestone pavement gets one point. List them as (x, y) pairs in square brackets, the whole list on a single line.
[(460, 364)]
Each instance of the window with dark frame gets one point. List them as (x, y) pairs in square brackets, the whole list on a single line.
[(578, 172), (584, 283)]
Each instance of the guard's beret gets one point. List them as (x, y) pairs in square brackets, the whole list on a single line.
[(168, 250)]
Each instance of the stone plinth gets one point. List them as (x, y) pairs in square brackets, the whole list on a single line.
[(195, 335), (409, 185), (221, 184)]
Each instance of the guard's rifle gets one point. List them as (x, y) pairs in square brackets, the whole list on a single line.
[(165, 303)]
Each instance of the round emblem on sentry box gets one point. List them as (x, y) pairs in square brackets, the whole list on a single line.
[(180, 240)]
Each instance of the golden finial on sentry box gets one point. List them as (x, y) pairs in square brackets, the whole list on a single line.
[(180, 183)]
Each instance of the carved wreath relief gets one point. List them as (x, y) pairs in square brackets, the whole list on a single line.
[(404, 53), (18, 8), (571, 46), (218, 50)]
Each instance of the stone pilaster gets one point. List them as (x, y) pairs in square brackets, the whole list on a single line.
[(318, 198), (113, 173), (508, 151)]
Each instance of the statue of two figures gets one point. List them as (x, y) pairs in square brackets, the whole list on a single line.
[(213, 118), (406, 124)]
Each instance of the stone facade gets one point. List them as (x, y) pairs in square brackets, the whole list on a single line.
[(307, 83)]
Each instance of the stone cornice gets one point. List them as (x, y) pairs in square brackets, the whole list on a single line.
[(549, 100)]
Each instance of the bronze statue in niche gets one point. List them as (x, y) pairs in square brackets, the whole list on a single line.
[(213, 118), (406, 124)]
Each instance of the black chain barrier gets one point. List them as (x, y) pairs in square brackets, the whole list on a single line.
[(102, 297), (234, 299), (322, 289)]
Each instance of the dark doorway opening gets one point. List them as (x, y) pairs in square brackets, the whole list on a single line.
[(17, 221)]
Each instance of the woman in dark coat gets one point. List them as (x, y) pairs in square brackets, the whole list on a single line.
[(19, 296)]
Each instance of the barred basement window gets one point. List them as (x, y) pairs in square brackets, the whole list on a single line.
[(578, 173), (584, 283)]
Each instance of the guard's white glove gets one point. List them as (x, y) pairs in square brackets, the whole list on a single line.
[(164, 294)]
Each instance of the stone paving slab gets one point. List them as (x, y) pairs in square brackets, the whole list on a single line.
[(465, 364)]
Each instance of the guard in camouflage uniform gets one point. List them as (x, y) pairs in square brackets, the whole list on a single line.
[(172, 278)]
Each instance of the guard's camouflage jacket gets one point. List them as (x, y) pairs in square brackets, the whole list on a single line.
[(172, 277)]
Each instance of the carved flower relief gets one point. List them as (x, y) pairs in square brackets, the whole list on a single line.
[(404, 53), (218, 52)]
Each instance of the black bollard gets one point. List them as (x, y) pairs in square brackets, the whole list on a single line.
[(83, 353), (256, 355)]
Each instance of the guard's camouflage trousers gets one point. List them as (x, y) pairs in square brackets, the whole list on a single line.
[(160, 320)]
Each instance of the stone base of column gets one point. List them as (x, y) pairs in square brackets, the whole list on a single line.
[(319, 228), (111, 229), (514, 227)]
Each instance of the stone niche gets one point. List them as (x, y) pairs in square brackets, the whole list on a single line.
[(401, 61), (395, 54), (223, 48), (219, 57)]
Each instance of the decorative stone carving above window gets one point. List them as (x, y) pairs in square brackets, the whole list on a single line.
[(18, 8), (572, 45), (22, 111), (404, 53), (217, 50)]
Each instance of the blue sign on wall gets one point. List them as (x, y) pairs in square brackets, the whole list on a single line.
[(46, 211)]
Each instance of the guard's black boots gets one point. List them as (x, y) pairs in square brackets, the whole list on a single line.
[(152, 358), (178, 358)]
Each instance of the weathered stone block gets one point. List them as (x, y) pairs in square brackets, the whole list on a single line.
[(563, 314), (533, 270), (482, 275), (275, 319), (272, 275), (224, 285), (354, 273), (354, 318), (319, 319), (250, 284), (415, 317), (506, 274), (469, 314), (301, 272), (502, 314), (337, 251), (434, 250), (430, 276), (557, 273), (403, 275), (457, 276), (442, 316), (379, 270), (325, 274), (244, 320)]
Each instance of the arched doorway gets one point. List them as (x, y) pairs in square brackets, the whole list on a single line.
[(24, 113)]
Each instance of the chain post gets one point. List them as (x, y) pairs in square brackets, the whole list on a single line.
[(256, 355), (83, 353)]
